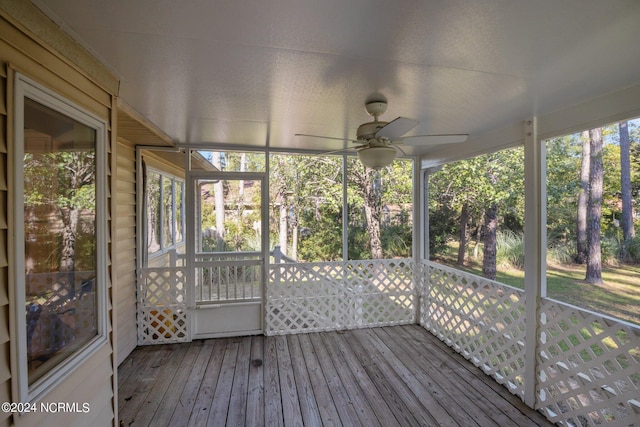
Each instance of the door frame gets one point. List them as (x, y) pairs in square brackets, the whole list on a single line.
[(190, 251)]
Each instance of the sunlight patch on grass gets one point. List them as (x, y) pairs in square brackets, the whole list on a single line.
[(618, 296)]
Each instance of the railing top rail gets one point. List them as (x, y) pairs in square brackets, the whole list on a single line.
[(475, 276), (228, 254), (613, 320)]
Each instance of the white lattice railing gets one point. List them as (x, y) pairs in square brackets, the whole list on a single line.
[(481, 319), (162, 305), (588, 365), (310, 297)]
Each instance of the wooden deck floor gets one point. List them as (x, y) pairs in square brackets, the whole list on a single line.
[(395, 376)]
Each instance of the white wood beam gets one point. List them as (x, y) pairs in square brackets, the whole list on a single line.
[(535, 239)]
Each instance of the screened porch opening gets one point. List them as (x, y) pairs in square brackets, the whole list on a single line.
[(274, 256)]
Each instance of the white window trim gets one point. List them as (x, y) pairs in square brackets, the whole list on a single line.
[(25, 87)]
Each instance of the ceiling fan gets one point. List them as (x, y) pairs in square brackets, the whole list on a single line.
[(380, 140)]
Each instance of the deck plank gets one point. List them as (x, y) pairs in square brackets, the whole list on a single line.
[(392, 389), (290, 403), (240, 389), (187, 399), (222, 396), (133, 393), (272, 395), (255, 393), (478, 383), (156, 396), (171, 398), (355, 394), (204, 397), (400, 375), (342, 398), (444, 392), (418, 399), (320, 385), (306, 397), (342, 351)]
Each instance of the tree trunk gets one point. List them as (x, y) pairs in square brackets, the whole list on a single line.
[(628, 231), (490, 249), (594, 214), (462, 247), (583, 197), (283, 227), (70, 218), (218, 197), (372, 210)]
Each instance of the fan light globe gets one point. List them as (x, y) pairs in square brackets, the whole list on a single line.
[(377, 157)]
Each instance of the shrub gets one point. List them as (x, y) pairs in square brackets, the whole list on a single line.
[(561, 252), (510, 249)]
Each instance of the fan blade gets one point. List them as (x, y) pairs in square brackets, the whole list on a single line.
[(327, 137), (396, 128), (435, 139)]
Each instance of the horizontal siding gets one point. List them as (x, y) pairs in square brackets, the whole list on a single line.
[(93, 380), (125, 254), (32, 69), (5, 334), (86, 385)]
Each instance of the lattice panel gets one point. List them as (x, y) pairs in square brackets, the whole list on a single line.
[(162, 306), (163, 325), (588, 367), (307, 297), (383, 290), (481, 319)]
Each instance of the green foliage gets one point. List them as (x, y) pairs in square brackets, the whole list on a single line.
[(358, 243), (630, 251), (442, 228), (561, 252), (322, 239), (510, 249), (397, 238), (477, 183), (311, 189)]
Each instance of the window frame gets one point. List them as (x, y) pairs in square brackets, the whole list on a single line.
[(175, 182), (25, 87)]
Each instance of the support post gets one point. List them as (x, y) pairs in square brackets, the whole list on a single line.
[(535, 238)]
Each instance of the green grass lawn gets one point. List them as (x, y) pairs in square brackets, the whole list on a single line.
[(619, 296)]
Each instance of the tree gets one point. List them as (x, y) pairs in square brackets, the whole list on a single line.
[(307, 195), (628, 230), (470, 189), (594, 211), (583, 197), (71, 175), (489, 266), (368, 181), (464, 219), (218, 194)]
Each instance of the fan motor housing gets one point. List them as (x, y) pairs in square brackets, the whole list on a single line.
[(367, 131)]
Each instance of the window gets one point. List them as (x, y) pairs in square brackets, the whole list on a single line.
[(60, 236), (164, 211)]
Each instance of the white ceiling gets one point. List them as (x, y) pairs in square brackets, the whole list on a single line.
[(254, 72)]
